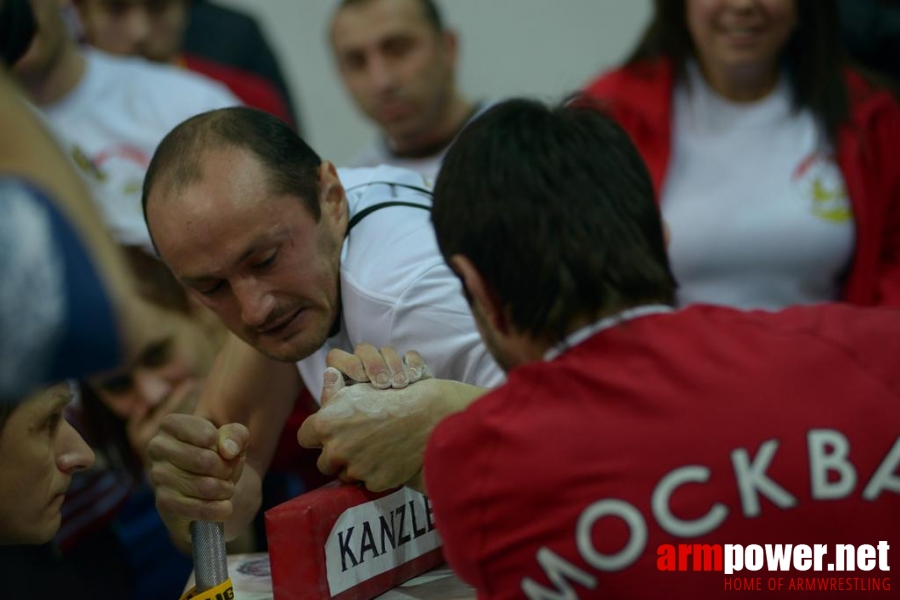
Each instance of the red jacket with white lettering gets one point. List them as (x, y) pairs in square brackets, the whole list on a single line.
[(701, 426), (640, 99)]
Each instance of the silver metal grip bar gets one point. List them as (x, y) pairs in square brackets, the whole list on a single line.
[(210, 561)]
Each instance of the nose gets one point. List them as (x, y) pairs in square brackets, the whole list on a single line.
[(381, 75), (136, 27), (152, 387), (73, 453), (256, 303)]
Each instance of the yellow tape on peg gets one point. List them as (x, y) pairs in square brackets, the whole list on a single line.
[(223, 591)]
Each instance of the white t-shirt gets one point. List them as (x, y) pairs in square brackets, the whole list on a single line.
[(379, 152), (396, 289), (112, 122), (757, 207)]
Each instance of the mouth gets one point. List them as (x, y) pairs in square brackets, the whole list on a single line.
[(742, 34), (282, 327), (394, 110)]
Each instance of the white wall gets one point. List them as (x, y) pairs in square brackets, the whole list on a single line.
[(542, 48)]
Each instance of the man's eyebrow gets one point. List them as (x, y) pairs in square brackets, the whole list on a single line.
[(254, 247)]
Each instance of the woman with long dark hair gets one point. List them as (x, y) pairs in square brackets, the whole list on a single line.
[(774, 161)]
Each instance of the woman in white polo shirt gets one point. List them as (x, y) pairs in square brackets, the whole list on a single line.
[(774, 162)]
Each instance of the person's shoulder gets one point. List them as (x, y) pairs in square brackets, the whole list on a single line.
[(252, 89), (224, 18), (376, 153), (869, 100), (390, 243), (474, 424), (151, 84), (868, 336), (509, 412), (632, 78), (368, 186), (858, 330)]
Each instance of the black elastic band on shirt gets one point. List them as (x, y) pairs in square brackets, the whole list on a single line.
[(367, 211)]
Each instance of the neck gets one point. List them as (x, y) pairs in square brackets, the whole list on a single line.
[(59, 80), (533, 348), (526, 348), (742, 85), (454, 116)]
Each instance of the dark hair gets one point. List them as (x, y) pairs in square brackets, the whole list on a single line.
[(429, 10), (814, 56), (291, 164), (155, 281), (6, 409), (555, 208)]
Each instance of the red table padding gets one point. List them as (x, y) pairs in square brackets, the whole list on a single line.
[(370, 542)]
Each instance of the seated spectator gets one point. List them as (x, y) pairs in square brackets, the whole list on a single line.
[(109, 112), (774, 163), (39, 454), (67, 309), (155, 29)]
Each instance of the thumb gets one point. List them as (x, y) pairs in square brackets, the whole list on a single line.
[(233, 440), (332, 383)]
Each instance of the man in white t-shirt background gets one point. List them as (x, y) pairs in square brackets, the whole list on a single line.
[(398, 63), (109, 112)]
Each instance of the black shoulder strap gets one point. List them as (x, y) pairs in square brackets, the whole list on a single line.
[(367, 211)]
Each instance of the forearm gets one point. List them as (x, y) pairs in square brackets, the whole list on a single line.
[(246, 501), (449, 397)]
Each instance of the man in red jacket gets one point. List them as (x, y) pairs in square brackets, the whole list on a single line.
[(637, 451)]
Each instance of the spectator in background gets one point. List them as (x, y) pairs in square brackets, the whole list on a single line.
[(67, 309), (398, 62), (774, 163), (111, 539), (68, 305), (109, 513), (110, 112), (39, 453), (155, 29)]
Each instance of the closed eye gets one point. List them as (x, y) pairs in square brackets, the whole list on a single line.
[(268, 262), (211, 290), (117, 384), (53, 421)]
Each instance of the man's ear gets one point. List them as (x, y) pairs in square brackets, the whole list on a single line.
[(331, 193), (481, 293)]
